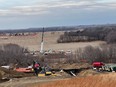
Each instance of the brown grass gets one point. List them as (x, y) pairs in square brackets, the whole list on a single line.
[(50, 42), (106, 80)]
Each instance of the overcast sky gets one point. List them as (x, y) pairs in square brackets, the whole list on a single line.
[(16, 14)]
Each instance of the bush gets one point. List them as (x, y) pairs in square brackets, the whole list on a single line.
[(106, 53), (14, 54)]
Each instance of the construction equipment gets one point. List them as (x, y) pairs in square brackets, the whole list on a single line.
[(109, 67), (97, 65), (42, 43), (24, 70), (46, 71)]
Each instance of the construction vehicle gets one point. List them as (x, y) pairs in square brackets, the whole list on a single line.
[(109, 67), (42, 71), (45, 71), (100, 66), (97, 65), (24, 70)]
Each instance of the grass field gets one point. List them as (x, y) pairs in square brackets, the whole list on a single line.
[(50, 42), (104, 80)]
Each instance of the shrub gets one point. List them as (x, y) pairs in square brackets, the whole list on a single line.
[(14, 54), (105, 53)]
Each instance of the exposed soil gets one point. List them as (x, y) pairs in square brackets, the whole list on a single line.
[(29, 81), (34, 80)]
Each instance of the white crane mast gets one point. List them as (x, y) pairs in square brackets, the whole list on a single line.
[(42, 42)]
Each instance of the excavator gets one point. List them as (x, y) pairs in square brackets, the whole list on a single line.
[(44, 70)]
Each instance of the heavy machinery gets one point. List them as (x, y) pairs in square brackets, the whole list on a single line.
[(109, 67), (97, 65), (42, 71), (100, 66), (24, 70), (46, 71)]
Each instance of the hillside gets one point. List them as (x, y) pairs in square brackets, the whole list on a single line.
[(103, 80)]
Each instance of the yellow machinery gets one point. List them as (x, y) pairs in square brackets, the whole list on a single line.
[(45, 71)]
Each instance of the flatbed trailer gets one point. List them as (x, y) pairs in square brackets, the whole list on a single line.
[(109, 67)]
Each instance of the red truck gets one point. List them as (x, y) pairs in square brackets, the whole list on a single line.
[(97, 65)]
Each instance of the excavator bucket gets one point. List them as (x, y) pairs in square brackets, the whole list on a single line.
[(41, 75), (48, 73)]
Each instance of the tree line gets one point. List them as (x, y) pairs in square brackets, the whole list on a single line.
[(104, 53), (89, 34), (14, 54)]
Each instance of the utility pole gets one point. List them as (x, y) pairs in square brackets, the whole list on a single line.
[(42, 42)]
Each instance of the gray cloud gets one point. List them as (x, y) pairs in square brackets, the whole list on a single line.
[(45, 7)]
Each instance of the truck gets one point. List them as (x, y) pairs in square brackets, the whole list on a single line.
[(109, 67), (100, 66)]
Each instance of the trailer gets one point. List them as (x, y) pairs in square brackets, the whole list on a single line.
[(24, 70), (109, 67), (100, 66)]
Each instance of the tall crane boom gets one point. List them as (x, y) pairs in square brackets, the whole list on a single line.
[(42, 42), (42, 35)]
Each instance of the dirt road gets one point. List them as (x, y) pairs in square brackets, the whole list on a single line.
[(29, 81)]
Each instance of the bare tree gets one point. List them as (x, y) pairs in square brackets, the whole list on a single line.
[(105, 53), (111, 37), (12, 53)]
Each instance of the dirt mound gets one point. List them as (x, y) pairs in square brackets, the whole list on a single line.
[(70, 66), (7, 74), (88, 72)]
